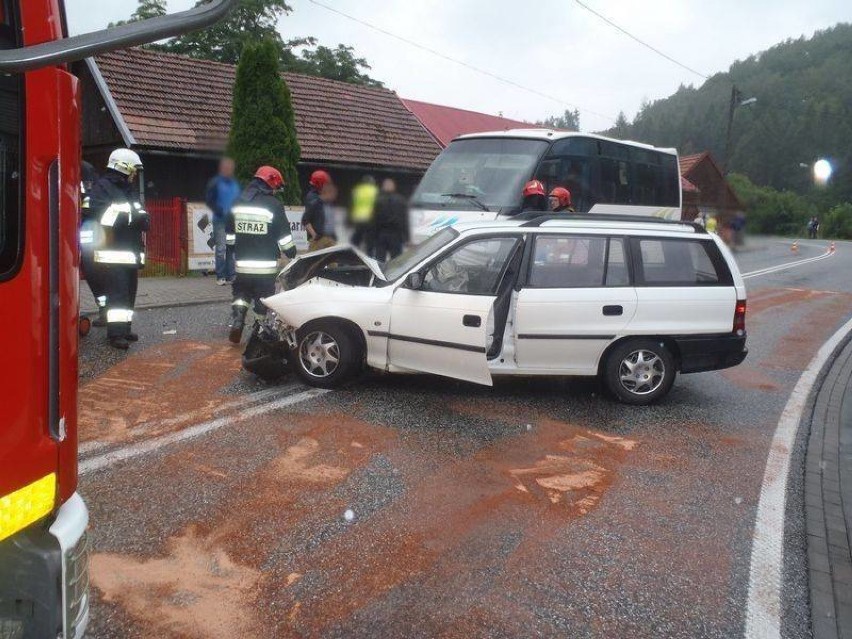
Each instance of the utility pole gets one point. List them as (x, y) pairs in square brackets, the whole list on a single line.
[(736, 95)]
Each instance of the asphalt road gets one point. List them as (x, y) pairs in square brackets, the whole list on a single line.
[(421, 507)]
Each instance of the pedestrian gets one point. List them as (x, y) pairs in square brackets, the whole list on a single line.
[(89, 237), (363, 204), (559, 200), (391, 222), (119, 250), (712, 223), (222, 191), (259, 232), (534, 197), (318, 218)]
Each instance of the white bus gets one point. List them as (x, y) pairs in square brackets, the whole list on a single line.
[(482, 175)]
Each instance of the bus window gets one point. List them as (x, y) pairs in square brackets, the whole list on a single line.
[(571, 163), (11, 232)]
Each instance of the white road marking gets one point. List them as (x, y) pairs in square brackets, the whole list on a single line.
[(786, 265), (143, 448), (763, 613)]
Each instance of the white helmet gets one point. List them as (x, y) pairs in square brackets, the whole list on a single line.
[(124, 161)]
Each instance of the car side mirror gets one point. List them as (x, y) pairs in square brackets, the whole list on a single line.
[(414, 281)]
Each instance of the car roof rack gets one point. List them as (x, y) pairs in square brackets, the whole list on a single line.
[(536, 218)]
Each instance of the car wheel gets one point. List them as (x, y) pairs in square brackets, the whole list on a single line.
[(639, 372), (326, 354)]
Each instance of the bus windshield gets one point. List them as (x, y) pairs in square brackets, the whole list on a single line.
[(479, 174)]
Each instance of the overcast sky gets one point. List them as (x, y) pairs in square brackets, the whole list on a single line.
[(553, 46)]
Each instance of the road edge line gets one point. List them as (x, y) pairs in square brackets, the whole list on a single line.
[(99, 462), (763, 610)]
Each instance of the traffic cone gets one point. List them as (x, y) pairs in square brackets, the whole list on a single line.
[(832, 248), (795, 247)]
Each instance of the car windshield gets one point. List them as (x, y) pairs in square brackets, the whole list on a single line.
[(479, 173), (408, 259)]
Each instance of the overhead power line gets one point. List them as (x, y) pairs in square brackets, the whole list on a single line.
[(462, 63), (642, 42)]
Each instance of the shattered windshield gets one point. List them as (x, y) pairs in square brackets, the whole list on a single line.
[(479, 174)]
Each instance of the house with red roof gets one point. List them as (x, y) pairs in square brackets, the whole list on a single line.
[(175, 111), (705, 189), (446, 123)]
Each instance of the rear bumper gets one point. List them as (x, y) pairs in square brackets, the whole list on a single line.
[(710, 352), (45, 577)]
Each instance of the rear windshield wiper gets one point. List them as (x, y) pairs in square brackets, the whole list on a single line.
[(467, 196)]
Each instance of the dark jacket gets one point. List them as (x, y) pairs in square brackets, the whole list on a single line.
[(121, 220), (258, 229), (315, 215), (391, 215)]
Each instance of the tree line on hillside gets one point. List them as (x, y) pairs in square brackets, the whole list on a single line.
[(253, 21), (803, 112)]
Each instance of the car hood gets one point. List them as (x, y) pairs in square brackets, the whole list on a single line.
[(326, 263)]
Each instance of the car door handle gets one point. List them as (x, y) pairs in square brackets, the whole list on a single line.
[(615, 309), (474, 321)]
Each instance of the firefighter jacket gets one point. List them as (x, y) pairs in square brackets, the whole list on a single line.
[(121, 222), (258, 229)]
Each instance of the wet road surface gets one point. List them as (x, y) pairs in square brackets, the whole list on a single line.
[(421, 507)]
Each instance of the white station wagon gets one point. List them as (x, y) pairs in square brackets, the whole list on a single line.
[(631, 300)]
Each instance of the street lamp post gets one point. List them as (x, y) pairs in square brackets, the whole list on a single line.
[(736, 101)]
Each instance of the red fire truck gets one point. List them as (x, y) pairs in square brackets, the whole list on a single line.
[(43, 520)]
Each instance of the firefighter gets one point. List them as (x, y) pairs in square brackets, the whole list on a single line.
[(560, 200), (258, 229), (534, 197), (89, 238), (119, 251)]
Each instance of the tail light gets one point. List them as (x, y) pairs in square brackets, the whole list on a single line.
[(739, 318)]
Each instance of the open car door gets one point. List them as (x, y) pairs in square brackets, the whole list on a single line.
[(440, 323), (440, 333)]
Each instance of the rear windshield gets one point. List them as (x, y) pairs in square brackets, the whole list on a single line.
[(675, 262)]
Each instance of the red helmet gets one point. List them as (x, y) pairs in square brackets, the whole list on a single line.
[(319, 179), (533, 187), (271, 176), (562, 195)]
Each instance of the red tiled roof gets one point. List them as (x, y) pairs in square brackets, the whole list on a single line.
[(688, 162), (688, 187), (176, 102), (446, 123)]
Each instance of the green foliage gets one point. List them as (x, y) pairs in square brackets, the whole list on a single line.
[(146, 9), (568, 121), (803, 112), (773, 212), (263, 130), (837, 222), (255, 21)]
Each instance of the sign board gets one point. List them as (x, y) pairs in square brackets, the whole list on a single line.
[(199, 221)]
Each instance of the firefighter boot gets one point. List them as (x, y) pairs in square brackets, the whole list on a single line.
[(120, 343), (238, 322)]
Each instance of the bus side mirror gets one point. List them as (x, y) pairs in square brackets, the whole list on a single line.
[(414, 281), (87, 45)]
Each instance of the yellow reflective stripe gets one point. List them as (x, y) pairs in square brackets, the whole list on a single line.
[(87, 237), (27, 505), (110, 215), (257, 267), (286, 242), (239, 303), (251, 214), (142, 259), (230, 238), (119, 315), (101, 300), (115, 257)]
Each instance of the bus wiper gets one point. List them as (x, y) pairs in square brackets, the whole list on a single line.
[(467, 196)]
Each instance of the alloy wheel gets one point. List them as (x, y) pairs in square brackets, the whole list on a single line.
[(319, 354), (641, 372)]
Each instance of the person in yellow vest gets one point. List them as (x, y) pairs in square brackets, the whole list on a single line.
[(712, 224), (363, 203)]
